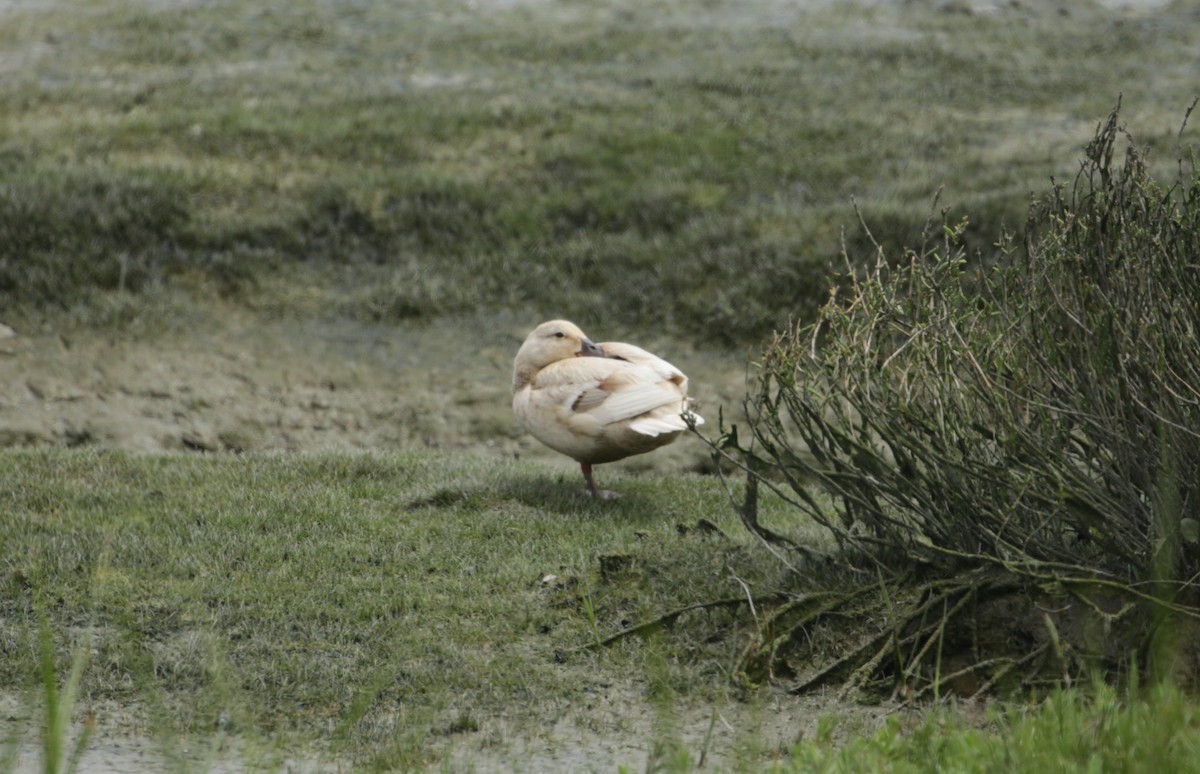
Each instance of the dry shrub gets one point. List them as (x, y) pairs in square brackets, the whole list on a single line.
[(1030, 428)]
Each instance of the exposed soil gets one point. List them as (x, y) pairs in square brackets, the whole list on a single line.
[(250, 387), (243, 388), (617, 726)]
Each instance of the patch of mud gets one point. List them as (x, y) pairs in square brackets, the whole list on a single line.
[(617, 727), (247, 386), (118, 743), (119, 752)]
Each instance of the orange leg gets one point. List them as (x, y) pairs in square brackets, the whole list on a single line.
[(587, 476), (603, 494)]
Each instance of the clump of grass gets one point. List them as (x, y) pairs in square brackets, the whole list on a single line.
[(59, 753), (1095, 730), (56, 698), (62, 238)]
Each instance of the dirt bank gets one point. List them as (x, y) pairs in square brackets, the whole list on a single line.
[(249, 386)]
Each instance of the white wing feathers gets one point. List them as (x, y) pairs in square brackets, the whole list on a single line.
[(635, 399), (639, 356)]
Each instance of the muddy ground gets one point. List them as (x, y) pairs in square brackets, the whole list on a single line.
[(615, 728), (244, 386)]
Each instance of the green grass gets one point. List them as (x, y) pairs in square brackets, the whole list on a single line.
[(394, 611), (380, 605), (670, 165), (1158, 730)]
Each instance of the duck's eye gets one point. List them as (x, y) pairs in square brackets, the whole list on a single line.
[(559, 335)]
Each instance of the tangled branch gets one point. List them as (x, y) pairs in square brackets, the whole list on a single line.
[(1015, 425)]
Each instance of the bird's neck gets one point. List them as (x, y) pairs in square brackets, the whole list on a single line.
[(522, 376)]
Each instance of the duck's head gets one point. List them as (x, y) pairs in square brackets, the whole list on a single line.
[(553, 341)]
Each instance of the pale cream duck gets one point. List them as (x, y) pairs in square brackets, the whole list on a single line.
[(595, 402)]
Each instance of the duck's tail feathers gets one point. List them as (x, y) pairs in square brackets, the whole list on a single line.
[(654, 426)]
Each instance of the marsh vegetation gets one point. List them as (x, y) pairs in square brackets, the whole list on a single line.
[(290, 249)]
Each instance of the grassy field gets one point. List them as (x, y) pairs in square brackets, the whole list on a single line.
[(399, 612), (394, 610), (645, 164), (316, 231)]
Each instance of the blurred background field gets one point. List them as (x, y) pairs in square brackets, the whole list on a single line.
[(315, 207), (654, 164)]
